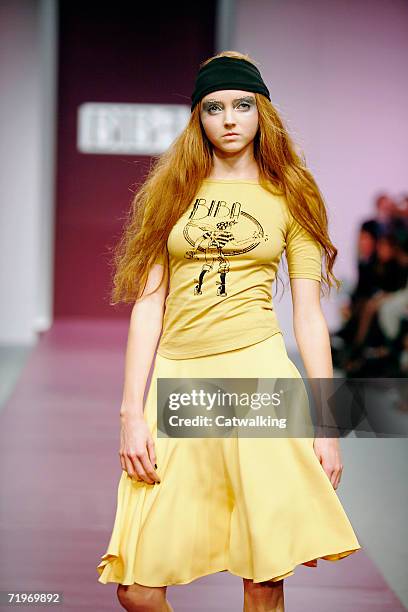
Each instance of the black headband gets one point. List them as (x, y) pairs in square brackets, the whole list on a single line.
[(228, 73)]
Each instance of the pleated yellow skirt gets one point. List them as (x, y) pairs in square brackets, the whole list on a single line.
[(256, 507)]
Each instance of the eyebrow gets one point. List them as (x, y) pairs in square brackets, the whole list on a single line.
[(214, 101)]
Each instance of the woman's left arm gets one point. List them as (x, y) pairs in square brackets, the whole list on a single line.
[(313, 341)]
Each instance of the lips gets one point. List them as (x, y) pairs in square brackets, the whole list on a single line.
[(231, 134)]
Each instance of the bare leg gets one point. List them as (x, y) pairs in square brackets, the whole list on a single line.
[(139, 598), (263, 596)]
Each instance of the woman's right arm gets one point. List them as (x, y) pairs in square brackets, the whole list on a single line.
[(137, 453)]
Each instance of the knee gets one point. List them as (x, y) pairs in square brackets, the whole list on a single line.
[(268, 591), (139, 598)]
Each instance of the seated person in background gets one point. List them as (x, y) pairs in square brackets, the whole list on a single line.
[(385, 209), (365, 287)]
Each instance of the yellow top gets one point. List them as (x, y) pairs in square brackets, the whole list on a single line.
[(223, 254)]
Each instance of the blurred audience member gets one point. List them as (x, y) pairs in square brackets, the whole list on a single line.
[(384, 214)]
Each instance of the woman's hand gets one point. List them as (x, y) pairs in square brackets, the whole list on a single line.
[(327, 450), (137, 454)]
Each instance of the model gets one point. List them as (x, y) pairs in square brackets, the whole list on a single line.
[(200, 252)]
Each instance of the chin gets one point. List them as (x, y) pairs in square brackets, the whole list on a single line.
[(230, 150), (232, 146)]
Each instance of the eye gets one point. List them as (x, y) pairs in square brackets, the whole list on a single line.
[(214, 107)]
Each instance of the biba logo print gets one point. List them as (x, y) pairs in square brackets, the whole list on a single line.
[(219, 231)]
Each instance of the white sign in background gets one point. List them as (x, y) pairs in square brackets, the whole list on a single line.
[(134, 129)]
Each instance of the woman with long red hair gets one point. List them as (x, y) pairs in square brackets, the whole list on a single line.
[(198, 256)]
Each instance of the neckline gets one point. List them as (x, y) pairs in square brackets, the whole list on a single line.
[(238, 180)]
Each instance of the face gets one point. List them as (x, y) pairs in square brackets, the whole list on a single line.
[(229, 110), (384, 206), (366, 245)]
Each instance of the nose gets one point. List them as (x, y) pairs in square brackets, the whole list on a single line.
[(229, 118)]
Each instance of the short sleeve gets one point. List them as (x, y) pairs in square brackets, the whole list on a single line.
[(303, 253)]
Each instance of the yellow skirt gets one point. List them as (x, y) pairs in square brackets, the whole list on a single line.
[(256, 507)]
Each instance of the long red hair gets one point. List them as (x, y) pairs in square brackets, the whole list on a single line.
[(176, 176)]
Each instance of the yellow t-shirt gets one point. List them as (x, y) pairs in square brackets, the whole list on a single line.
[(223, 254)]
